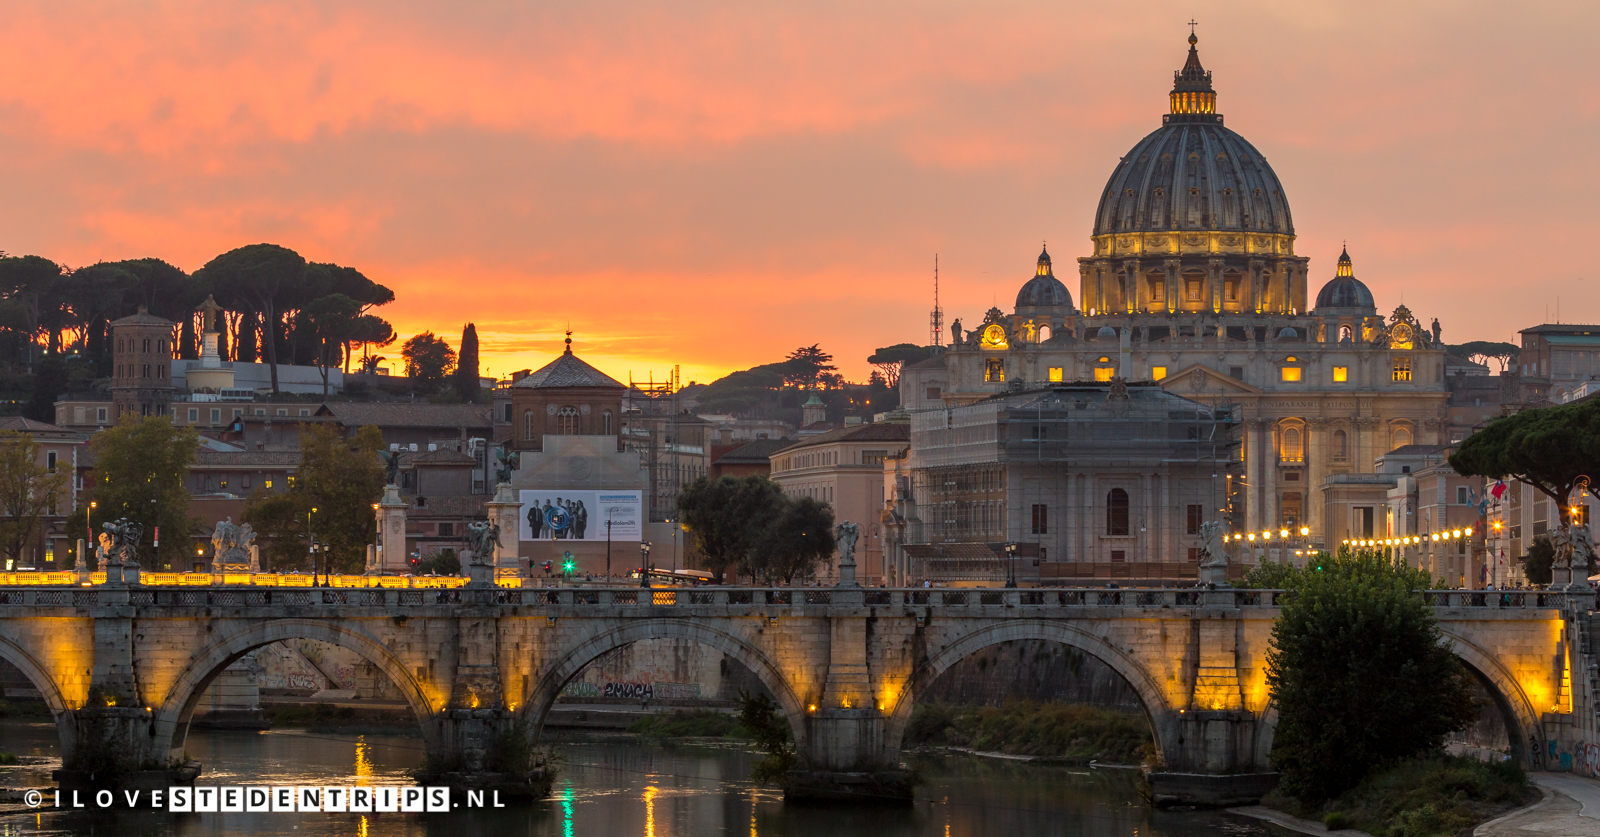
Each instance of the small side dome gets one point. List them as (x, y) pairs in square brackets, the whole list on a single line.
[(1044, 293), (1345, 291), (1288, 333), (1106, 333)]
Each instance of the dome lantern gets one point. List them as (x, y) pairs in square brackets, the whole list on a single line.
[(1191, 86)]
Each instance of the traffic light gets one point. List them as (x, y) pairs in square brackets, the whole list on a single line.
[(547, 567), (569, 566)]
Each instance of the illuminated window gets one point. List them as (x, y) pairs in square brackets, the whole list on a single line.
[(1341, 444), (1193, 287), (267, 482), (1290, 450), (1158, 290), (994, 370), (1402, 437), (1341, 374), (1230, 286), (1290, 373), (1402, 369), (1103, 373), (1158, 372), (1055, 374)]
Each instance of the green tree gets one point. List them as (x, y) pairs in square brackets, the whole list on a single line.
[(1552, 449), (29, 490), (891, 359), (31, 288), (729, 517), (1537, 562), (466, 376), (800, 538), (328, 325), (280, 524), (342, 479), (1482, 351), (429, 360), (49, 382), (139, 468), (807, 365), (1360, 675), (257, 279)]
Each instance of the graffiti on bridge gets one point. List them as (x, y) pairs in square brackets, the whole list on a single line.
[(634, 691)]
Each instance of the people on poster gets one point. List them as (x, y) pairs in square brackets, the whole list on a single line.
[(567, 516)]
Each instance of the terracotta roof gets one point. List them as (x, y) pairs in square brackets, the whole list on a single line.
[(567, 371), (758, 451), (143, 317), (883, 431), (401, 414), (206, 457), (27, 425), (441, 456)]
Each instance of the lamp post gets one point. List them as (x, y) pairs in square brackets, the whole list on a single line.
[(644, 563), (1011, 565), (608, 547), (311, 547)]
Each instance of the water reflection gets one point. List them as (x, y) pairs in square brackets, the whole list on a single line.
[(608, 788)]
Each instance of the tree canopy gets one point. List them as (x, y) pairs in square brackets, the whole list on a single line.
[(891, 359), (139, 468), (749, 527), (1482, 351), (1360, 675), (429, 360), (29, 489), (467, 386), (340, 479), (1553, 449)]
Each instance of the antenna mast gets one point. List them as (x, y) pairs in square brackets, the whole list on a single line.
[(936, 318)]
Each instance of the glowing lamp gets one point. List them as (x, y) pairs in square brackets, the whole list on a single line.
[(1284, 533), (1252, 537), (1305, 530), (1467, 531), (1266, 536)]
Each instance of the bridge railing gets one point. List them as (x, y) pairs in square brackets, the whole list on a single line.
[(969, 599)]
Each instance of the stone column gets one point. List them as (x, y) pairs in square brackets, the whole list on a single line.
[(505, 511), (1214, 279), (83, 564), (1253, 474), (1174, 268), (1316, 472), (392, 532), (1148, 538)]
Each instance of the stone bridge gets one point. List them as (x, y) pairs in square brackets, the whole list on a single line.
[(846, 665)]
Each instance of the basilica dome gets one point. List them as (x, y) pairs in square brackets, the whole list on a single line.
[(1192, 174), (1345, 293), (1043, 291)]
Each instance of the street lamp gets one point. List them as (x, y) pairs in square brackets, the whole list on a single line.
[(311, 547), (608, 546), (1011, 565), (644, 563)]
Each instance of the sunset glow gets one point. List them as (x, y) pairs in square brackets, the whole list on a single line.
[(711, 185)]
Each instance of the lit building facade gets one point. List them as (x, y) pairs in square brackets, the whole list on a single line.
[(1193, 283)]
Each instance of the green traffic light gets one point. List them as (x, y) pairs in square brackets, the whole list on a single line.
[(569, 566)]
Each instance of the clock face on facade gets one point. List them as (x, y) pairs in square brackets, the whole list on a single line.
[(1400, 336), (994, 337)]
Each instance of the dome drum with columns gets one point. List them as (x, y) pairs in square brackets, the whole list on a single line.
[(1194, 283)]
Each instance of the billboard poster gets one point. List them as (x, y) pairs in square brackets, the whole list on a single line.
[(576, 515)]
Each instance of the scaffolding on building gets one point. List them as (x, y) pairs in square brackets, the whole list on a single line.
[(653, 431)]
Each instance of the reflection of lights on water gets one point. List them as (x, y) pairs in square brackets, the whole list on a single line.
[(753, 812), (363, 765), (566, 812), (361, 830), (650, 810)]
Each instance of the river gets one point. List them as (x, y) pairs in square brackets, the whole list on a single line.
[(623, 788)]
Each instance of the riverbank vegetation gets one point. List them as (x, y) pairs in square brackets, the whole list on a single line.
[(1050, 729), (12, 708), (1422, 797), (1366, 693), (688, 723)]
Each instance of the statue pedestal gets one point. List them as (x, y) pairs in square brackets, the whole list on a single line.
[(479, 574), (505, 511), (392, 532), (83, 565)]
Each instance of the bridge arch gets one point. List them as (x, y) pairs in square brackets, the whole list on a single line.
[(1522, 719), (1157, 710), (172, 720), (40, 677), (544, 692)]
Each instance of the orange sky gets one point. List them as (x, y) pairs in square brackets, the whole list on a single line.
[(714, 184)]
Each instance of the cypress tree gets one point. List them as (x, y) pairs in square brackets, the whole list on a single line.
[(467, 365)]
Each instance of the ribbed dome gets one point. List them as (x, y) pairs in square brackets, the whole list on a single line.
[(1044, 290), (1192, 173), (1345, 290)]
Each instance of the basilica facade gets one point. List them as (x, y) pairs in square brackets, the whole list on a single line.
[(1193, 284)]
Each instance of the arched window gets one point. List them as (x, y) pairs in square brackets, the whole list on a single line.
[(1341, 444), (1290, 450), (1402, 437), (527, 424), (1346, 334), (567, 421), (605, 423), (1044, 333), (1117, 512)]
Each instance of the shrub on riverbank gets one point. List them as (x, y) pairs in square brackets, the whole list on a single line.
[(688, 723), (23, 709), (1054, 729), (1425, 797)]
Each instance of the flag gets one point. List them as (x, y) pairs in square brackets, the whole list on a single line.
[(1499, 488)]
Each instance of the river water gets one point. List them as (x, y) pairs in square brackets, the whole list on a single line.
[(622, 788)]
